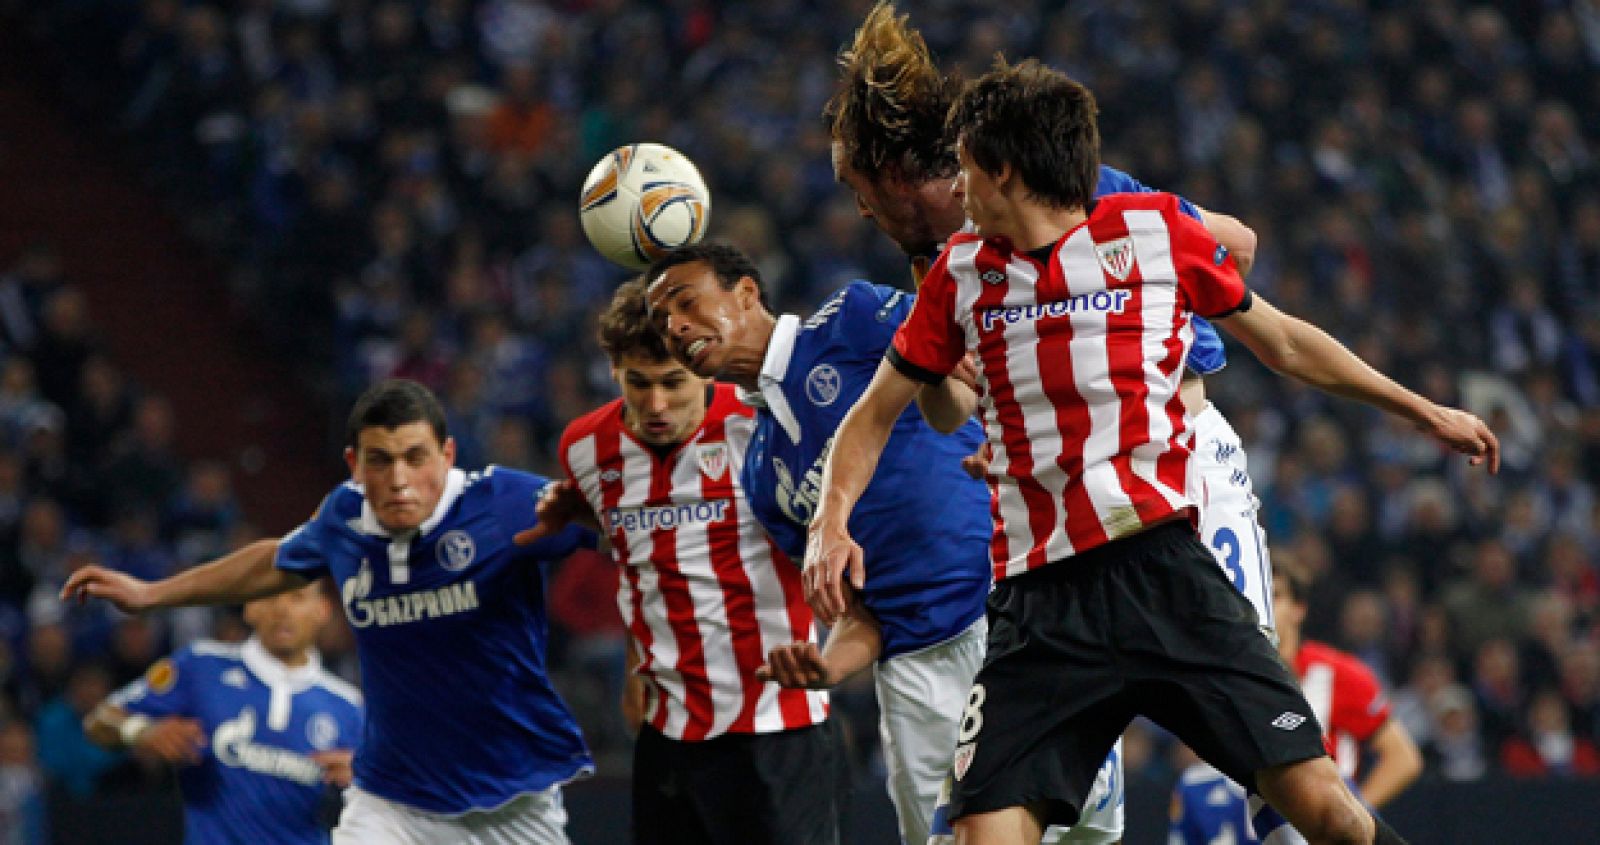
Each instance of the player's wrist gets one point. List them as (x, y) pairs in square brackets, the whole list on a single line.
[(133, 729)]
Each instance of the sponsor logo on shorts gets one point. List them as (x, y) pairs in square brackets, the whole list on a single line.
[(964, 754), (1287, 721)]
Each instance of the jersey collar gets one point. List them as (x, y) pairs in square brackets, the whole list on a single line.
[(780, 348), (282, 681), (455, 481), (274, 672)]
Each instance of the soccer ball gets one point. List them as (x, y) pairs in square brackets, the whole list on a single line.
[(642, 201)]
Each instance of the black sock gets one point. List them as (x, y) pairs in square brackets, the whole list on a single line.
[(1386, 834)]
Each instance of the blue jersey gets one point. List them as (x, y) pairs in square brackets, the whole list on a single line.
[(1206, 356), (256, 780), (923, 524), (450, 628), (1209, 809)]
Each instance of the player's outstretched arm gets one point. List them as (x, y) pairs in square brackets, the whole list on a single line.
[(852, 646), (1397, 763), (560, 504), (830, 552), (1295, 348), (235, 578), (173, 739)]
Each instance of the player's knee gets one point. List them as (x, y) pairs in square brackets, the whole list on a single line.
[(1337, 819)]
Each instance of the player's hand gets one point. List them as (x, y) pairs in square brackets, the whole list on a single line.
[(976, 464), (1465, 433), (176, 740), (966, 372), (831, 557), (796, 666), (560, 504), (336, 766), (633, 702), (127, 593)]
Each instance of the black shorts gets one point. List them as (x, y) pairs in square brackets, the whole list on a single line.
[(785, 788), (1146, 625)]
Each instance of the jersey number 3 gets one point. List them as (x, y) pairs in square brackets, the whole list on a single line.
[(1226, 544)]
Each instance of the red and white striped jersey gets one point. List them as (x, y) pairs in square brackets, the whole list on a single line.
[(704, 593), (1346, 698), (1080, 359)]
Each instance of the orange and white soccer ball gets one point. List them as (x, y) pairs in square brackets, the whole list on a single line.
[(642, 201)]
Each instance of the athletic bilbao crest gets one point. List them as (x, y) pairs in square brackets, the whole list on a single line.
[(713, 459), (963, 761), (1116, 257)]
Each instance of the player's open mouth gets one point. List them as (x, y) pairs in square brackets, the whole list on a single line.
[(694, 350)]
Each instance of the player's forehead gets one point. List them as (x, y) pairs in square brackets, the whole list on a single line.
[(403, 438), (640, 368), (670, 286)]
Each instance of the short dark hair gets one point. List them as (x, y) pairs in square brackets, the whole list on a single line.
[(1294, 576), (726, 261), (392, 403), (1039, 121), (625, 326), (889, 112)]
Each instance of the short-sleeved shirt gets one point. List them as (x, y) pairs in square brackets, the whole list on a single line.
[(450, 626), (1080, 355), (922, 523), (256, 780), (1349, 702), (703, 590)]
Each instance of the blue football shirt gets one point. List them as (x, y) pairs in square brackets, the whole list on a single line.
[(1209, 808), (256, 780), (1207, 355), (450, 627), (923, 524)]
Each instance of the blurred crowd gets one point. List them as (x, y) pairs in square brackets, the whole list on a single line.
[(395, 182)]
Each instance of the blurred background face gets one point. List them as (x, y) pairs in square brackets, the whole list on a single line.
[(1290, 613), (287, 624), (664, 402), (402, 470)]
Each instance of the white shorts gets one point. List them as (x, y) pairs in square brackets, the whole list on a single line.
[(1219, 482), (920, 699), (537, 818)]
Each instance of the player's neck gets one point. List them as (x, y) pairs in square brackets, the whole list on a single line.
[(1039, 226), (749, 352), (293, 658)]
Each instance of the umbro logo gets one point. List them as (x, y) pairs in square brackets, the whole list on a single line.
[(992, 277), (1287, 721), (611, 475)]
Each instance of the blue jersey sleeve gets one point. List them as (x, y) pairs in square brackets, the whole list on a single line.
[(1207, 355), (863, 317), (301, 550), (516, 495), (163, 690), (1114, 181)]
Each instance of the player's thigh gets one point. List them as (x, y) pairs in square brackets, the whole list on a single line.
[(664, 807), (370, 820), (920, 701), (540, 817), (1102, 819), (1200, 668), (1048, 703), (804, 784)]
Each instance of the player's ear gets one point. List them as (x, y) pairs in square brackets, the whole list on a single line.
[(351, 460), (749, 292), (449, 451)]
